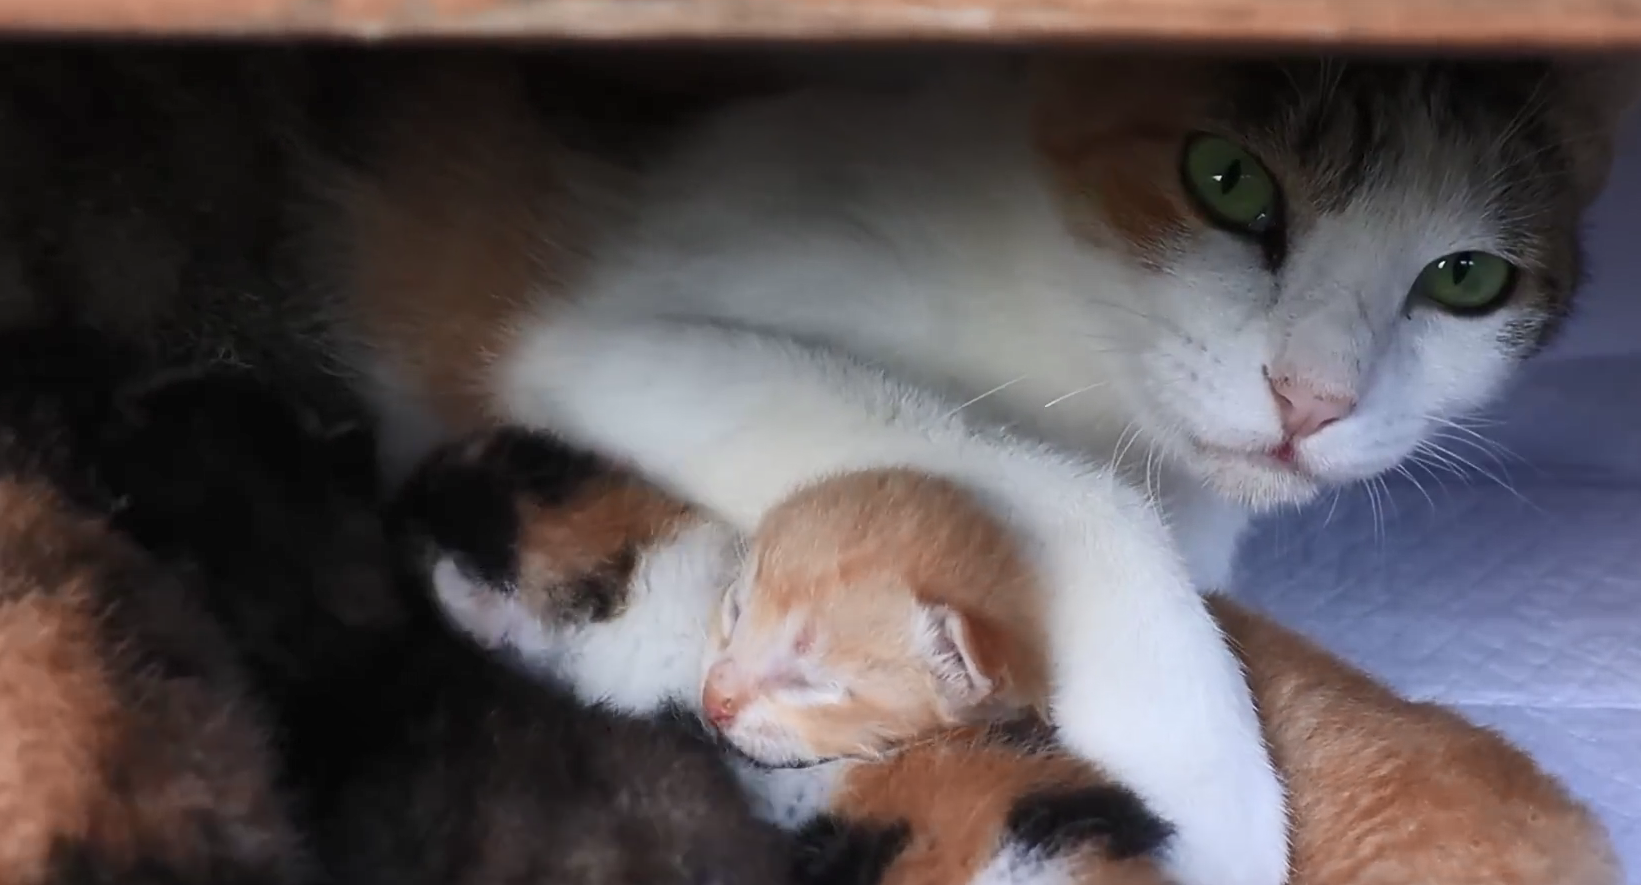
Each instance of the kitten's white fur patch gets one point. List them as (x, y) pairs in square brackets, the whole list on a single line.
[(490, 618), (654, 653), (651, 655), (1014, 865), (791, 797)]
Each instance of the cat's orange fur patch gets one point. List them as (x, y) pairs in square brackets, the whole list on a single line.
[(98, 747), (1110, 132), (606, 520), (465, 219), (1383, 789), (955, 791), (58, 715)]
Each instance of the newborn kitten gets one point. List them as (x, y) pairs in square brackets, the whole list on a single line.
[(132, 744), (1383, 789), (420, 759)]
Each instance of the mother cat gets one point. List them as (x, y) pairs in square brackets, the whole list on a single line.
[(1264, 278), (1251, 281)]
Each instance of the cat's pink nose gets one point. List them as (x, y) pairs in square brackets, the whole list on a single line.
[(720, 707), (1306, 410), (720, 703)]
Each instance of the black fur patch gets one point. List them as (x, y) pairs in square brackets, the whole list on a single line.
[(464, 498), (833, 851), (540, 465), (602, 594), (1027, 734), (1053, 822), (56, 398), (79, 863), (464, 510)]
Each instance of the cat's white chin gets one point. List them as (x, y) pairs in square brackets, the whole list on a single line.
[(1256, 481)]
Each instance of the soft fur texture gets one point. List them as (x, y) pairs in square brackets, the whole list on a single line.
[(1383, 790), (135, 748), (1019, 241), (502, 237)]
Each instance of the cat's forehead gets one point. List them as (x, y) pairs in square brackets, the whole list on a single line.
[(1482, 138)]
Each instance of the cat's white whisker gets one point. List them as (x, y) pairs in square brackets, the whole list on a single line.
[(992, 392), (1435, 447), (1065, 396), (1332, 506), (1405, 472)]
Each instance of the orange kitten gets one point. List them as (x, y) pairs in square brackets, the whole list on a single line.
[(941, 628), (873, 611)]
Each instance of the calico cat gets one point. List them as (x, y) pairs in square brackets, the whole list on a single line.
[(133, 748), (418, 758), (1246, 281), (571, 572)]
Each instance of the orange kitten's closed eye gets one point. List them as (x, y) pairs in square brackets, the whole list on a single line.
[(875, 607)]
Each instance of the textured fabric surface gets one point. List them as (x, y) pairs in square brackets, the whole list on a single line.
[(1515, 598)]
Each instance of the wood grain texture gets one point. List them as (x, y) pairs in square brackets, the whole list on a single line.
[(1451, 25)]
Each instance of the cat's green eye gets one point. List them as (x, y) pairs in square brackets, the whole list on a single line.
[(1234, 189), (1466, 282)]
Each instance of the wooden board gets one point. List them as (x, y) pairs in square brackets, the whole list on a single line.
[(1448, 25)]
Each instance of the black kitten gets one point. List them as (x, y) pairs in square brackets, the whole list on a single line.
[(421, 759)]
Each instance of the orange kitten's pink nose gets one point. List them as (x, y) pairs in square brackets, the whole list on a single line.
[(719, 701), (1306, 410), (720, 707)]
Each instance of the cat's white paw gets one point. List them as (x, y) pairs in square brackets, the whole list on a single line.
[(1187, 740), (1234, 829)]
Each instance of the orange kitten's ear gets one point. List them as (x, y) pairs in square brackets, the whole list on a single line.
[(957, 648)]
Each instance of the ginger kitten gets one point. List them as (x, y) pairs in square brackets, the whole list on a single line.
[(1383, 790)]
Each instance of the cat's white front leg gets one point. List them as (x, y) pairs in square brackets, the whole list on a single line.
[(730, 420), (1145, 684)]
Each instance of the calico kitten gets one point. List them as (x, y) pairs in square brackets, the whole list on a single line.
[(418, 757), (1382, 789), (133, 748), (1271, 277)]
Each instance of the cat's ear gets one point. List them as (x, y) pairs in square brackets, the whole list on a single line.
[(964, 655), (1597, 96)]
